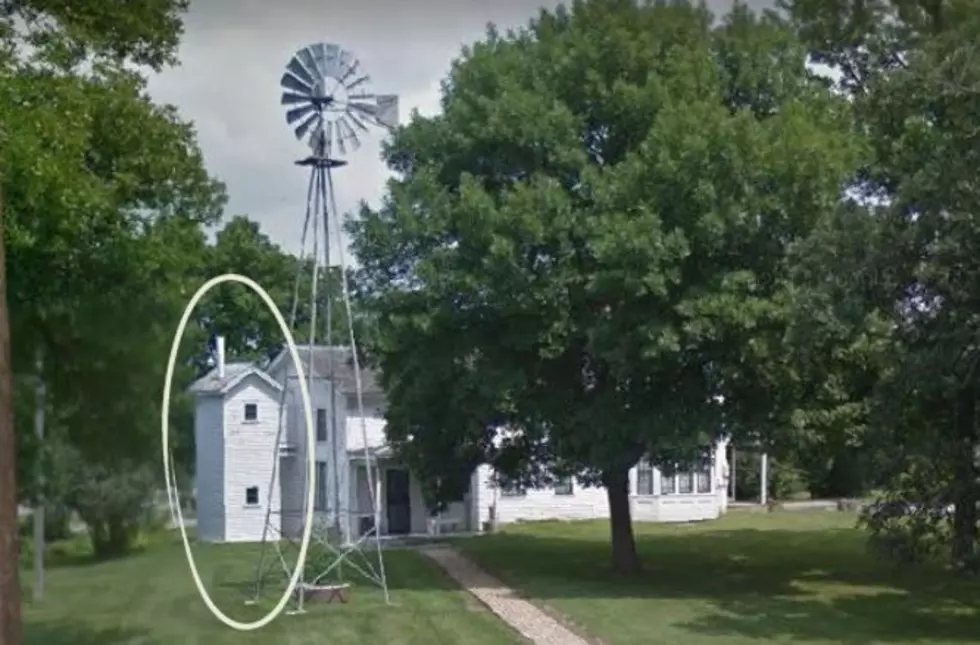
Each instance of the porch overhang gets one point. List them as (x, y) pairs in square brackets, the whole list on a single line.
[(374, 452)]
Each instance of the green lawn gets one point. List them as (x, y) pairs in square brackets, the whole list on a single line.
[(785, 577), (150, 599)]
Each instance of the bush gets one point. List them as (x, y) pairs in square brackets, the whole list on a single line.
[(116, 504), (912, 522), (906, 532), (71, 550)]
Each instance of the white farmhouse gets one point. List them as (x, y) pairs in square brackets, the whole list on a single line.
[(237, 416)]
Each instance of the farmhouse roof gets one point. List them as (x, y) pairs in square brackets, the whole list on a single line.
[(333, 359), (235, 373)]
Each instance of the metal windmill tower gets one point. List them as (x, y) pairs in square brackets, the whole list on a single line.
[(329, 106)]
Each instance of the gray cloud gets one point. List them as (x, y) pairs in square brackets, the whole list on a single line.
[(228, 84)]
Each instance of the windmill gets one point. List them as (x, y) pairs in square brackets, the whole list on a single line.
[(330, 106)]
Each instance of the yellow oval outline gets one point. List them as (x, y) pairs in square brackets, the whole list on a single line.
[(172, 493)]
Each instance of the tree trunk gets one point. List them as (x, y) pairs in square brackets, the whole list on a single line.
[(10, 627), (965, 493), (624, 556)]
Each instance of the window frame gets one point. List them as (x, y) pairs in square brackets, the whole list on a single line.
[(704, 475), (645, 473), (564, 486), (248, 491), (685, 476), (321, 414), (254, 408)]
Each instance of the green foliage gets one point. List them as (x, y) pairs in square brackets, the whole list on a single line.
[(66, 34), (250, 330), (912, 522), (902, 345), (115, 503), (589, 244), (106, 196)]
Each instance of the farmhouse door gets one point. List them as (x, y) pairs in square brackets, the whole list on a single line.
[(398, 501)]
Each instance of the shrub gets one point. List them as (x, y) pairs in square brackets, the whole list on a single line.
[(912, 522), (116, 504)]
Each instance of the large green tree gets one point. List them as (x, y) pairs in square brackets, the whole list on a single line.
[(106, 196), (588, 246), (911, 71), (249, 327), (54, 206)]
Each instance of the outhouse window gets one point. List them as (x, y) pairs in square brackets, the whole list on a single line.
[(251, 412), (252, 496)]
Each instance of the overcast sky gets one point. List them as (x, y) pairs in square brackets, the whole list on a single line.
[(233, 55)]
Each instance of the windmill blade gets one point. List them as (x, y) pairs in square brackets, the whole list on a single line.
[(331, 61), (357, 83), (356, 121), (297, 69), (386, 112), (298, 113), (340, 142), (366, 109), (345, 60), (305, 56), (305, 126), (348, 134), (290, 82), (350, 71), (319, 53), (289, 98)]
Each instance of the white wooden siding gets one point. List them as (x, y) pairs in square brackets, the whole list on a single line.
[(209, 469), (293, 476), (250, 451), (242, 456), (592, 503)]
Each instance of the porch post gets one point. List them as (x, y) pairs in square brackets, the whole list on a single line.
[(764, 479), (354, 501), (731, 474)]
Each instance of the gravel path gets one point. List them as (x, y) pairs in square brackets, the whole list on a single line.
[(532, 623)]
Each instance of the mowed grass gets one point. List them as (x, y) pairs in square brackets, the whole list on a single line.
[(750, 578), (150, 599)]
